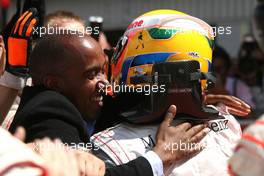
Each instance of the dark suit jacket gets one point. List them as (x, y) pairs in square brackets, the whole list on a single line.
[(46, 113)]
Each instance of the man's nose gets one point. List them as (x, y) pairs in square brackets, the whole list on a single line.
[(102, 79), (102, 83)]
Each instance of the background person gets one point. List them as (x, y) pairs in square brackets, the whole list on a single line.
[(227, 84), (11, 84)]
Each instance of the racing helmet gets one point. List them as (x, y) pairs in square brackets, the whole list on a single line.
[(168, 51)]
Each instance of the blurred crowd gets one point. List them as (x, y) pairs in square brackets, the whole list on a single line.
[(242, 76)]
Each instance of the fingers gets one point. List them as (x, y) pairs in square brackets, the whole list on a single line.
[(2, 46), (234, 104), (19, 43), (195, 130), (30, 27), (74, 162), (185, 126), (171, 112), (60, 158), (240, 101), (98, 165), (73, 169), (238, 112), (93, 169), (2, 56), (214, 99), (51, 156), (226, 99), (195, 150), (56, 155), (19, 21), (1, 52), (1, 40), (90, 164), (26, 22), (20, 133), (82, 167), (21, 27), (102, 169), (199, 131), (200, 135), (231, 100)]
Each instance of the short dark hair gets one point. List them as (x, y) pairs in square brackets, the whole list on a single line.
[(50, 55)]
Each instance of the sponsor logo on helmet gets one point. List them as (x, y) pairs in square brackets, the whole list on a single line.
[(138, 71), (135, 24), (194, 54)]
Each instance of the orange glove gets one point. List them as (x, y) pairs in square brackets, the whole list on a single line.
[(19, 43)]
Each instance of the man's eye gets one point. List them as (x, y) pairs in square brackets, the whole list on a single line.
[(91, 75)]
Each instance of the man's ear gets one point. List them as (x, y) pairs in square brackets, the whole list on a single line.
[(53, 82)]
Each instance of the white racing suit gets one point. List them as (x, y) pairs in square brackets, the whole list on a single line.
[(125, 142), (248, 157)]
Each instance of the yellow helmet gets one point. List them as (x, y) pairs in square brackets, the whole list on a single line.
[(176, 46), (162, 36)]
